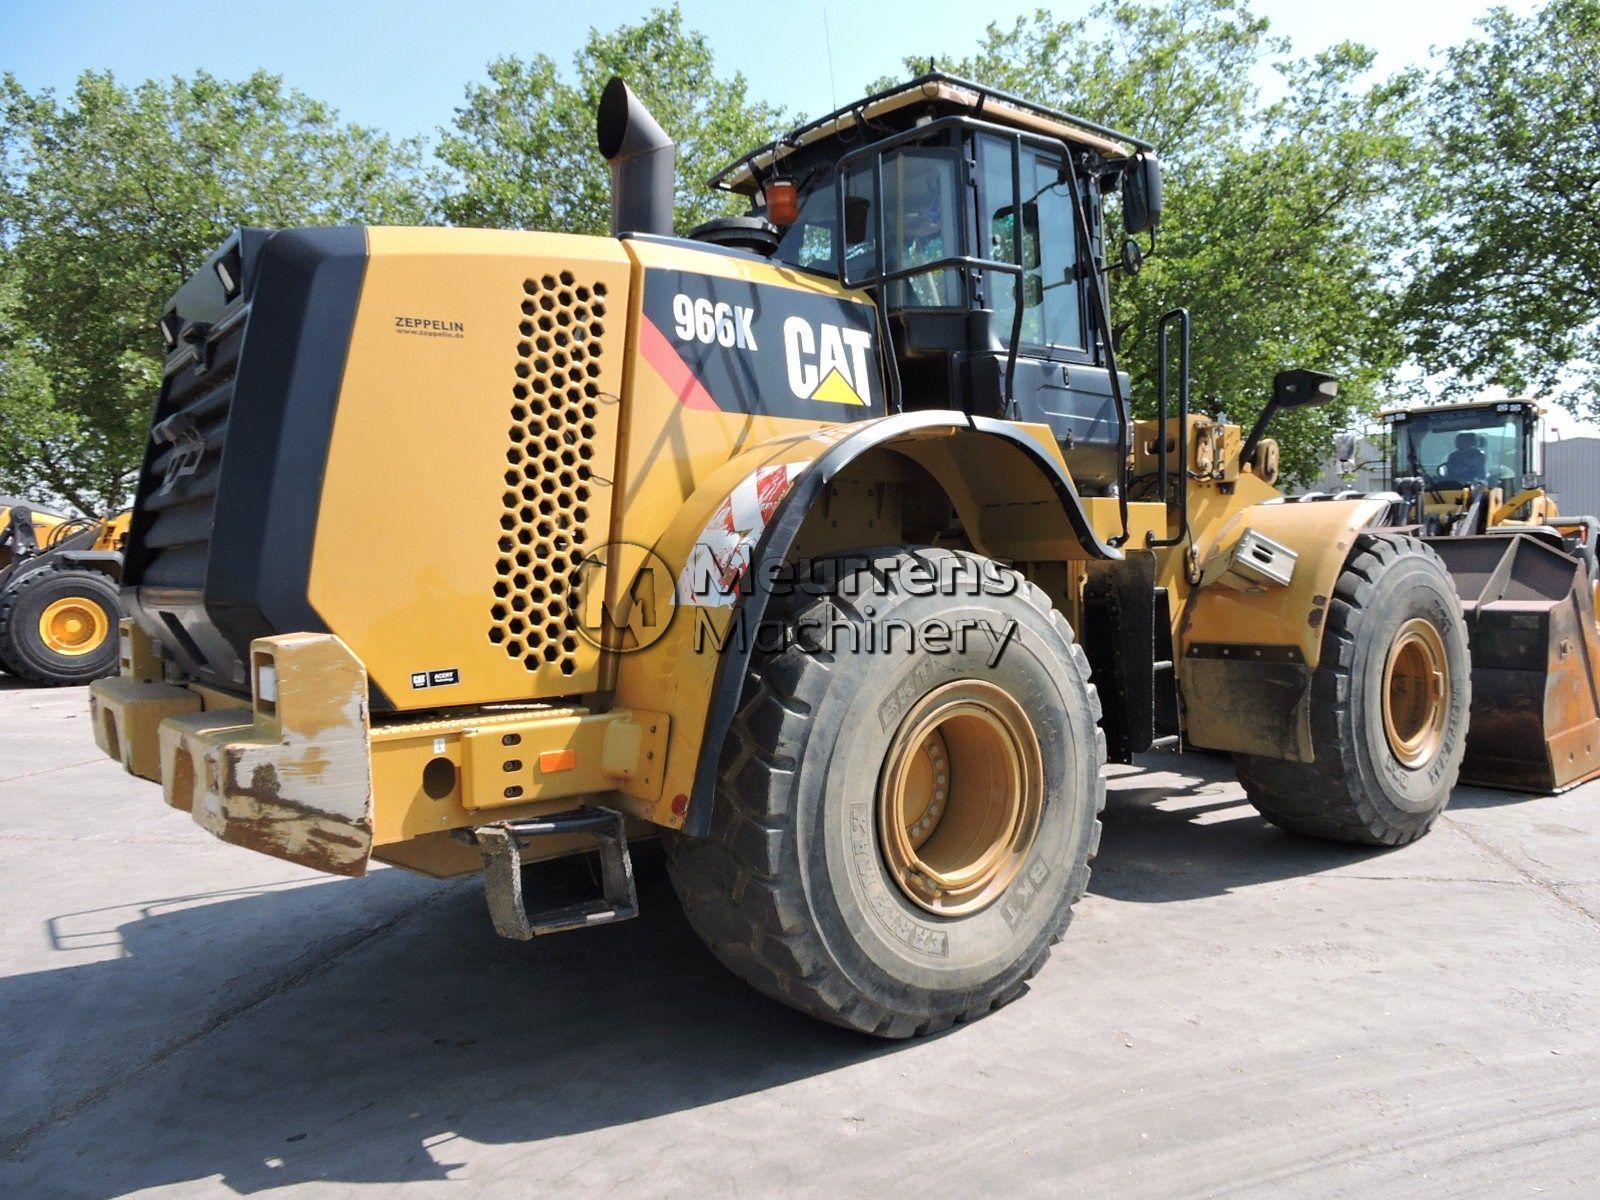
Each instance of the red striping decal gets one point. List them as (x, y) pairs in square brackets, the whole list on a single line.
[(669, 364), (771, 484)]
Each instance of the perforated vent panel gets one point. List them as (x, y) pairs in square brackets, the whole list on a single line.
[(551, 520)]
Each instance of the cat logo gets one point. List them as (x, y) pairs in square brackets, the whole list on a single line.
[(831, 365)]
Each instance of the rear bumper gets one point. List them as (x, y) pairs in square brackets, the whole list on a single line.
[(302, 774), (289, 776)]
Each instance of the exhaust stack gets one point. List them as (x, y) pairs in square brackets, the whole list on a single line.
[(642, 157)]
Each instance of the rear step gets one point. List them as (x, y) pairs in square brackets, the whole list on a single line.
[(501, 845)]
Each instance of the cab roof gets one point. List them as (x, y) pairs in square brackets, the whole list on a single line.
[(1462, 406), (933, 94)]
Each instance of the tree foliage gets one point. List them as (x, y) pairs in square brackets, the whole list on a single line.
[(109, 199), (1351, 223), (1277, 230), (1506, 283), (521, 150)]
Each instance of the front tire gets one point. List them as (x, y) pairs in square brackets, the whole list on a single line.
[(1389, 705), (899, 835), (58, 626)]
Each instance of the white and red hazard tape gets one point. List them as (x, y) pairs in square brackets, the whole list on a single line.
[(721, 554)]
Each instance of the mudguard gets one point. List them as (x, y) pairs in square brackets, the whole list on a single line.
[(1247, 654), (729, 542)]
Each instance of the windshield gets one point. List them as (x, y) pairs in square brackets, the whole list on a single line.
[(1458, 449)]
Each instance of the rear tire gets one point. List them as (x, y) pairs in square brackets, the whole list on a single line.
[(1387, 732), (803, 888), (58, 626)]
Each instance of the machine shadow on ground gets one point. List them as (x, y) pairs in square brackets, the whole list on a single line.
[(364, 1059), (1177, 827), (364, 1067)]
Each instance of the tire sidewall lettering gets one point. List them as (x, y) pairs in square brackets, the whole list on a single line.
[(887, 932)]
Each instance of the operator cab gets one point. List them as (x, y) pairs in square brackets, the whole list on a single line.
[(988, 314), (1455, 446)]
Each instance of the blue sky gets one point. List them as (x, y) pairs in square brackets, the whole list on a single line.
[(401, 65)]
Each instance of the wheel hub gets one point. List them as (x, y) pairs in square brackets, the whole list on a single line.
[(960, 797), (1416, 685), (73, 626)]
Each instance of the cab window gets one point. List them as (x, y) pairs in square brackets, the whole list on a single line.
[(1458, 449), (1052, 312), (808, 243), (921, 201)]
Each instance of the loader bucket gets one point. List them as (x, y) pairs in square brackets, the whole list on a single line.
[(1530, 611)]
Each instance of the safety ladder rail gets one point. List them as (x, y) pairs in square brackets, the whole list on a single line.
[(1180, 316)]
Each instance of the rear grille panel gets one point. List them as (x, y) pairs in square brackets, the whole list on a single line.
[(183, 465), (225, 512), (550, 522)]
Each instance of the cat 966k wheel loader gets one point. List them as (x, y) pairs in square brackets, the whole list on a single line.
[(820, 542)]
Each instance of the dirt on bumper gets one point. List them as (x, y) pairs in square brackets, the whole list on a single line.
[(290, 777)]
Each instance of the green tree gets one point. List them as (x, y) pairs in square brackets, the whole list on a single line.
[(1278, 232), (521, 151), (1507, 274), (108, 201)]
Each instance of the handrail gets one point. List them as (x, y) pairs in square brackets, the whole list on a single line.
[(1163, 326)]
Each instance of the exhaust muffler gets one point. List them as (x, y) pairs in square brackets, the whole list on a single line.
[(642, 158)]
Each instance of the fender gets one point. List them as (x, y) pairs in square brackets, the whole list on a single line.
[(107, 562), (1246, 658), (740, 526)]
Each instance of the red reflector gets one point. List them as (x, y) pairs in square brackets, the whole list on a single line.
[(557, 760), (783, 202)]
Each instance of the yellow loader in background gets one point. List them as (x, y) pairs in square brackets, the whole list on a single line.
[(821, 543), (1471, 474), (59, 576)]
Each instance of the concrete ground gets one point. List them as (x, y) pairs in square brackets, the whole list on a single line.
[(1235, 1012)]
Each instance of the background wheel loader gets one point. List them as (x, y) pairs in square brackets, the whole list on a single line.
[(821, 542), (1526, 575), (58, 593)]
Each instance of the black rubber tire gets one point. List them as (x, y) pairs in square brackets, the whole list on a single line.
[(25, 653), (790, 890), (1357, 790)]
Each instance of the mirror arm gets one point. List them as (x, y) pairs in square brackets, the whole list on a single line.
[(1257, 430)]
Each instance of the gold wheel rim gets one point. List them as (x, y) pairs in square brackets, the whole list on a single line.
[(1416, 683), (73, 626), (960, 798)]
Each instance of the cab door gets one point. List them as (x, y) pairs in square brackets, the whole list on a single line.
[(1061, 380)]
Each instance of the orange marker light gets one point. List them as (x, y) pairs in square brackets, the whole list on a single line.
[(783, 202), (551, 761)]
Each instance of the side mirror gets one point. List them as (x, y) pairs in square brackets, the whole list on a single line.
[(1141, 193), (1302, 388), (1002, 235), (1299, 388), (1344, 449)]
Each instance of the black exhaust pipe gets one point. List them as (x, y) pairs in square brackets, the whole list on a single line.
[(642, 157)]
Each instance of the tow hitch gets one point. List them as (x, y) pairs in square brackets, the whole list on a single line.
[(501, 845)]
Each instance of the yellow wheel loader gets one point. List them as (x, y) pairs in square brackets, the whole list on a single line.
[(1526, 575), (58, 593), (820, 542)]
